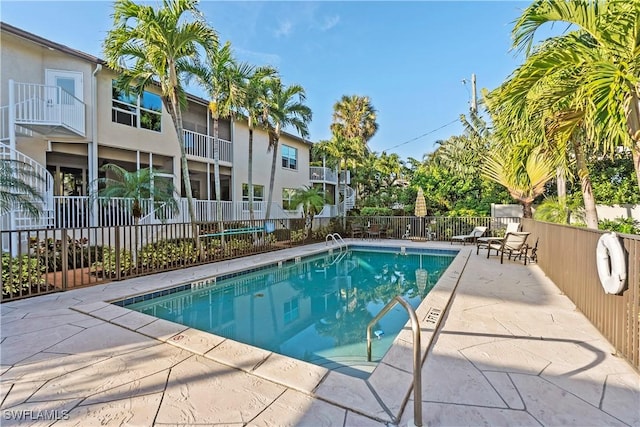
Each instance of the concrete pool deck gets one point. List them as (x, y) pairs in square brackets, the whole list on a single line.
[(510, 350)]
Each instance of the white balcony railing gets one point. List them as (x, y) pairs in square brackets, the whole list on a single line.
[(75, 212), (320, 174), (200, 145), (47, 106)]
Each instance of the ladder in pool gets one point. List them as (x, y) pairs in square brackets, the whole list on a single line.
[(337, 239)]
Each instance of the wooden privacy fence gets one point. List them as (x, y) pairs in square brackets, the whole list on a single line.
[(567, 255)]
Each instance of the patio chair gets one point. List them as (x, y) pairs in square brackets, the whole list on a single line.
[(513, 244), (483, 242), (475, 233), (373, 231), (357, 230)]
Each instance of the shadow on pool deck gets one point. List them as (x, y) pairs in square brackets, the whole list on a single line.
[(512, 350)]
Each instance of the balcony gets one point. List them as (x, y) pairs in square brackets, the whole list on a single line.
[(202, 146), (47, 110), (322, 175)]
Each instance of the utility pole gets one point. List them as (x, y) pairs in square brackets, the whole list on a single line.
[(474, 99)]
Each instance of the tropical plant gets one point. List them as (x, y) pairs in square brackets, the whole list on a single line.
[(16, 190), (354, 124), (523, 170), (255, 101), (312, 201), (149, 46), (602, 62), (21, 274), (223, 78), (138, 186), (621, 225), (285, 107), (547, 109), (559, 210)]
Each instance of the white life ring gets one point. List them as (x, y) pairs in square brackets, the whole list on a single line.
[(611, 263)]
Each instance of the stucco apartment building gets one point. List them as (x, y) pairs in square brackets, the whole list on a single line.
[(61, 112)]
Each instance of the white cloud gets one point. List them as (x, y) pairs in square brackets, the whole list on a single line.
[(285, 28), (330, 22), (258, 58)]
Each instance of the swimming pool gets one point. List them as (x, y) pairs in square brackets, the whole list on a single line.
[(314, 309)]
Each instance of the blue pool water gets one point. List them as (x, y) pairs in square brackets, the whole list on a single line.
[(314, 309)]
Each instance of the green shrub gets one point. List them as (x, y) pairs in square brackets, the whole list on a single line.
[(375, 211), (50, 253), (107, 267), (620, 225), (164, 254), (297, 236), (463, 213), (235, 246), (20, 273)]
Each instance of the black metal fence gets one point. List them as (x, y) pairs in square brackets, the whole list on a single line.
[(40, 261), (437, 228)]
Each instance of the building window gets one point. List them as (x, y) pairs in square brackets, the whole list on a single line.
[(291, 311), (258, 193), (139, 112), (289, 157), (287, 195)]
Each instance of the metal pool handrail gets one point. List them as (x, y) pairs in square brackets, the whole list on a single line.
[(417, 369), (336, 238)]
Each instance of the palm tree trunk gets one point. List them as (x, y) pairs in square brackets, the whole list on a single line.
[(216, 177), (272, 179), (176, 115), (344, 195), (526, 210), (591, 214), (633, 120), (250, 171)]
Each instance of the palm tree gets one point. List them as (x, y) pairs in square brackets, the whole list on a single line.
[(15, 188), (354, 124), (354, 117), (604, 51), (223, 78), (312, 201), (285, 108), (139, 186), (148, 46), (545, 106), (255, 99), (522, 169)]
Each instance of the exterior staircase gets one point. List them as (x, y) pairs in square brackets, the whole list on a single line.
[(47, 110), (347, 198), (39, 178)]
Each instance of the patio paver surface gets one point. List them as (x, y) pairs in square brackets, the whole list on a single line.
[(512, 350)]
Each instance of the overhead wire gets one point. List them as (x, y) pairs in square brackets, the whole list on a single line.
[(423, 135)]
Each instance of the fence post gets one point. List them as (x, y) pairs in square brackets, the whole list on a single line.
[(64, 258), (117, 255)]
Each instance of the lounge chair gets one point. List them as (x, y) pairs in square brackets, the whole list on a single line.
[(513, 244), (483, 242), (464, 238)]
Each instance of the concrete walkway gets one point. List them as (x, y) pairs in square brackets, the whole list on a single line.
[(511, 351)]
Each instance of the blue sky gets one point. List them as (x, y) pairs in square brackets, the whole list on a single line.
[(410, 58)]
